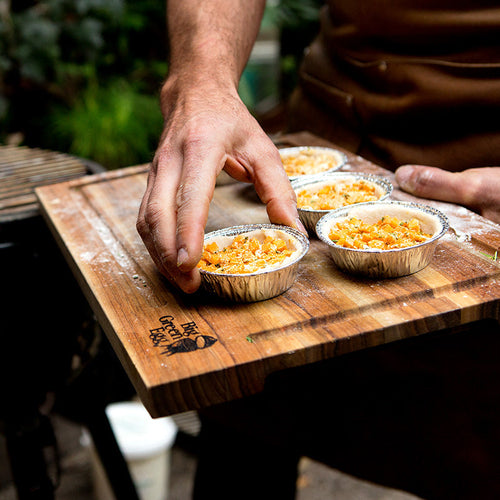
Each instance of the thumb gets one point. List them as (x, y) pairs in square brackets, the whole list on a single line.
[(432, 182)]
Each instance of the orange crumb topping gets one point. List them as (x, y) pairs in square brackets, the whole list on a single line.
[(387, 233), (244, 255), (308, 161), (339, 195)]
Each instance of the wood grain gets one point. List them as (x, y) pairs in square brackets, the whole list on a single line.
[(163, 336)]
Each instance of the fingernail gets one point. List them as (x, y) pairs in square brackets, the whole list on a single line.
[(299, 226), (182, 256), (405, 178)]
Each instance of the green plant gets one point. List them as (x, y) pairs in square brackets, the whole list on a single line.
[(83, 75), (113, 125), (298, 22), (68, 55)]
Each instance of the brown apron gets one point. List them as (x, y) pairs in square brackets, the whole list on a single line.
[(405, 82), (397, 82)]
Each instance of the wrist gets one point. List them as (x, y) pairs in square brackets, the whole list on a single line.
[(207, 59), (195, 85)]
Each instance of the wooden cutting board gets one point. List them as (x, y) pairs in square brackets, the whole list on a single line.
[(184, 352)]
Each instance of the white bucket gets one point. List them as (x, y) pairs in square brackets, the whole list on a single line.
[(145, 443)]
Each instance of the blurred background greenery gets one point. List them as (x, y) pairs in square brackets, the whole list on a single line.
[(83, 76)]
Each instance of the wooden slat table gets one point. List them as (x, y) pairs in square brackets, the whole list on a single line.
[(185, 352), (23, 169)]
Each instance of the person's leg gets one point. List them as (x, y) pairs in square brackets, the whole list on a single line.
[(419, 415), (234, 465)]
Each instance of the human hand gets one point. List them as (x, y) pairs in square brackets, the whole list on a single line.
[(475, 188), (205, 131)]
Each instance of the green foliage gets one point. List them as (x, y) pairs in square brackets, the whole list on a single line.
[(297, 14), (40, 38), (114, 125), (36, 47), (299, 24), (82, 76), (70, 55)]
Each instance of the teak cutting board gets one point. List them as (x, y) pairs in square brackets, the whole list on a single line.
[(185, 352)]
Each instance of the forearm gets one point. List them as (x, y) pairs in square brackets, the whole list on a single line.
[(210, 41), (207, 128)]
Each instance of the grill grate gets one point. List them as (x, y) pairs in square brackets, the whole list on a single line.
[(22, 169)]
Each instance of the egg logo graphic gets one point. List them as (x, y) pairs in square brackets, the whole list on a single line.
[(190, 345)]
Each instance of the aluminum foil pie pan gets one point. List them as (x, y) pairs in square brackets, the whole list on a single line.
[(310, 217), (263, 284), (384, 263), (317, 160)]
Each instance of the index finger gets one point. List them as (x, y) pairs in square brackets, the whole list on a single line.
[(193, 197), (157, 221)]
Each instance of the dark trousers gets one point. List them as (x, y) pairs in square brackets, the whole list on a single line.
[(421, 415)]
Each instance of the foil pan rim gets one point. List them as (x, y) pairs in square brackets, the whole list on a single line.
[(246, 228), (340, 212), (295, 149), (385, 183)]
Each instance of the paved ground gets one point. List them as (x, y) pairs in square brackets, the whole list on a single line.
[(316, 482)]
